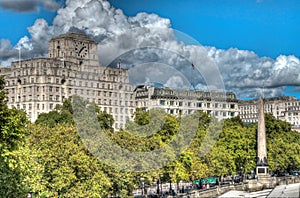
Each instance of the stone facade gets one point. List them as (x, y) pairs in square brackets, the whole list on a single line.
[(220, 105), (72, 68), (282, 108)]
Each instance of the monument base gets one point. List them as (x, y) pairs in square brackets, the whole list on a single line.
[(262, 170), (264, 177)]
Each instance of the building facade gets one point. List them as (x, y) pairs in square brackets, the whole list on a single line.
[(72, 68), (176, 102), (282, 108)]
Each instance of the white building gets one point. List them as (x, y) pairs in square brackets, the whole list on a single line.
[(72, 68), (282, 108), (220, 105)]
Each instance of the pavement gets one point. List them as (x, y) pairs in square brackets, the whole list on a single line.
[(291, 191), (258, 194)]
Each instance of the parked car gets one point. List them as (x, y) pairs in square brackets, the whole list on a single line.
[(295, 173)]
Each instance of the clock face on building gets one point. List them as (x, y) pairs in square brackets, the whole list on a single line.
[(81, 49)]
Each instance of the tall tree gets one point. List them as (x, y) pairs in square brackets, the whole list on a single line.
[(13, 124)]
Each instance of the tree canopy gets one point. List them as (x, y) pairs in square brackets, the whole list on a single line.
[(50, 158)]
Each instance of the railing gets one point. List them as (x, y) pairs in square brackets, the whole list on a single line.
[(221, 189)]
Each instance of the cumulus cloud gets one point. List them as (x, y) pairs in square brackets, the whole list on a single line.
[(146, 41), (29, 5), (246, 73)]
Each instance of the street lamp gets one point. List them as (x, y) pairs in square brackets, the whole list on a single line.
[(193, 178), (180, 186), (157, 186), (143, 185), (242, 174)]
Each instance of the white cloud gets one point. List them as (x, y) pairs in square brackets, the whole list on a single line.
[(29, 5), (241, 71)]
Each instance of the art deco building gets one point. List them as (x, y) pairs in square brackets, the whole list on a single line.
[(282, 108), (72, 68), (220, 105)]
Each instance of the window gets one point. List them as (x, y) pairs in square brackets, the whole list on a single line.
[(162, 102)]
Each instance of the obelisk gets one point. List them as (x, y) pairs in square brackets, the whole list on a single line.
[(262, 167)]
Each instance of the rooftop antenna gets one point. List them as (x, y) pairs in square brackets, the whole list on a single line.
[(119, 64), (193, 71), (20, 56)]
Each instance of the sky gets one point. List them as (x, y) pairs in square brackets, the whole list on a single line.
[(249, 45)]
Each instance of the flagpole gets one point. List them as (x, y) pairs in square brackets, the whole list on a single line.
[(19, 56), (193, 71)]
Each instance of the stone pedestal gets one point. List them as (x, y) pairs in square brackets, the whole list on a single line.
[(262, 170)]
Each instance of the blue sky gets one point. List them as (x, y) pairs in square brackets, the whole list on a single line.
[(268, 28), (13, 25)]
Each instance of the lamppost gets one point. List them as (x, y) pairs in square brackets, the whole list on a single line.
[(161, 185), (157, 186), (193, 178), (180, 186), (242, 174), (143, 186)]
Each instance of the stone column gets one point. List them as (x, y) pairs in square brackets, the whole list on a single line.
[(262, 167)]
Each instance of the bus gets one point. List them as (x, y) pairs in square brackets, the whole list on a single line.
[(202, 183)]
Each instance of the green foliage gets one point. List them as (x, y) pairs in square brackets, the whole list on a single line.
[(63, 114), (50, 159), (105, 120), (13, 124), (141, 117), (283, 144), (66, 167)]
